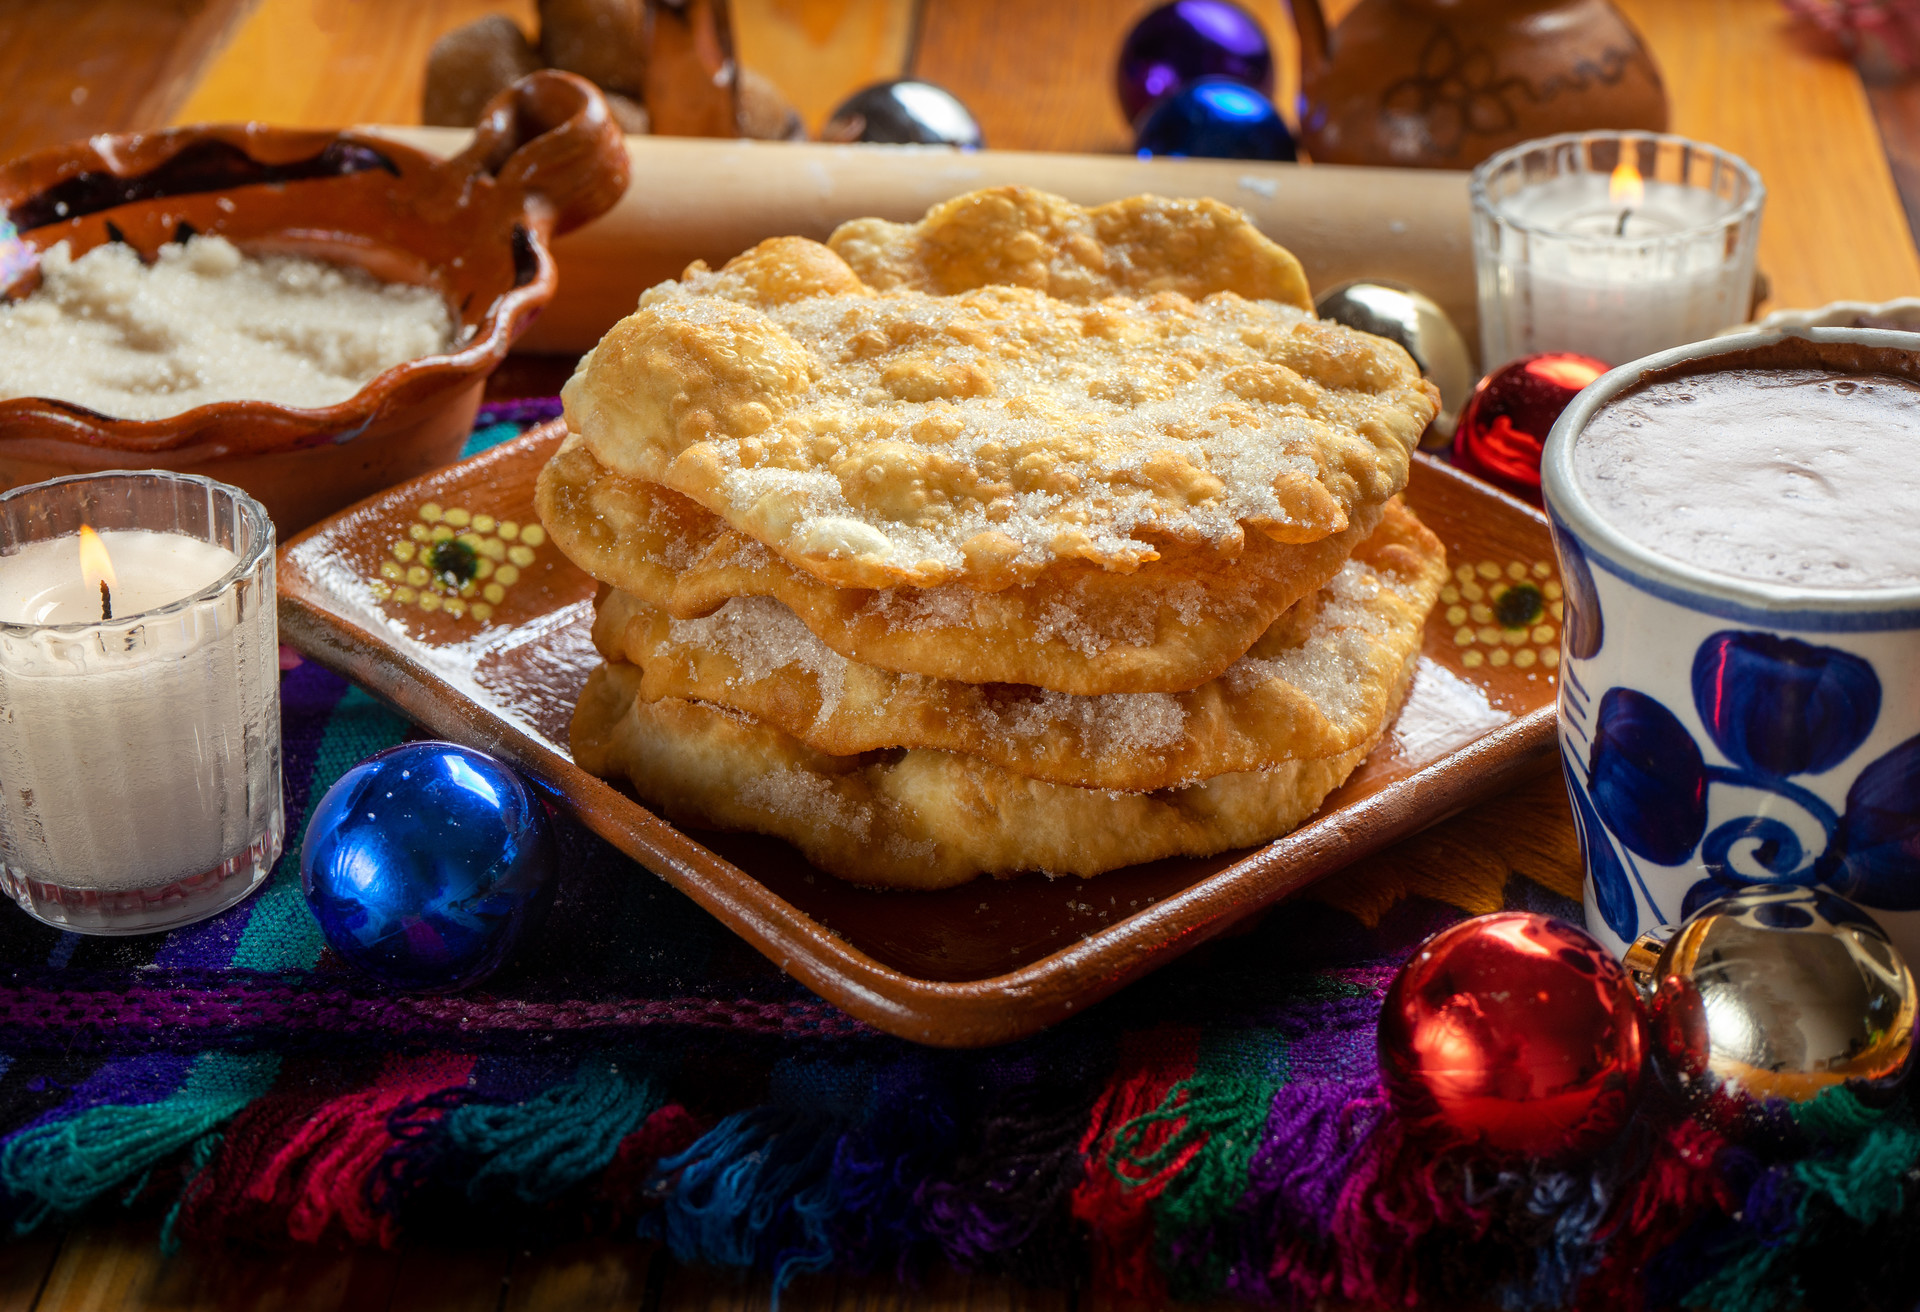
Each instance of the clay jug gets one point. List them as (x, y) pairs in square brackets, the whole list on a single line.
[(1446, 83)]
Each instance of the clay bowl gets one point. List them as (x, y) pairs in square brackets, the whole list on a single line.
[(547, 157)]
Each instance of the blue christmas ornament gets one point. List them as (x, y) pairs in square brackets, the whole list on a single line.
[(427, 865), (1217, 119), (1185, 41)]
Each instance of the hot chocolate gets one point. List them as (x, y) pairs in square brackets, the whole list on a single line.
[(1803, 477)]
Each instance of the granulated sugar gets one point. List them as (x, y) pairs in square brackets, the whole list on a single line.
[(1326, 666), (1088, 630), (997, 430), (805, 796), (763, 637), (205, 323), (1114, 724)]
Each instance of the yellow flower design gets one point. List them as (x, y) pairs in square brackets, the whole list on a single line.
[(1505, 614), (456, 562)]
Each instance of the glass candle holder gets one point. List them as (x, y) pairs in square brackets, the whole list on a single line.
[(139, 700), (1611, 244)]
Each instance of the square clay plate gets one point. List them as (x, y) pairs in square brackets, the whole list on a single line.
[(991, 960)]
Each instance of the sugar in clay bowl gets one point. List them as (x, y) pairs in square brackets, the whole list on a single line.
[(546, 158)]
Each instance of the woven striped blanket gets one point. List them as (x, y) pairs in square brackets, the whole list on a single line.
[(1216, 1129)]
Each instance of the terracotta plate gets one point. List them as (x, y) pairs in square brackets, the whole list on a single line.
[(499, 669)]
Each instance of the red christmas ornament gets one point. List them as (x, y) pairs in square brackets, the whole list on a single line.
[(1506, 421), (1515, 1033)]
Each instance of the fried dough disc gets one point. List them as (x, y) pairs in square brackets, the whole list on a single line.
[(920, 819), (1316, 684), (1028, 238), (1171, 626), (904, 438)]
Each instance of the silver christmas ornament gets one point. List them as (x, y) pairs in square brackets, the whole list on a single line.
[(1768, 998), (904, 112), (1405, 315)]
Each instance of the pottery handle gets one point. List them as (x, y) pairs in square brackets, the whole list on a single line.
[(1310, 23), (551, 137)]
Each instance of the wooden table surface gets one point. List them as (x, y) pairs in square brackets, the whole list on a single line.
[(1835, 154)]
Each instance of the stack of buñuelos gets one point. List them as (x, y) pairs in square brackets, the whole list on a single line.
[(1025, 537)]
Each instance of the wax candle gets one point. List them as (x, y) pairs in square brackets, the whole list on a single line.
[(1613, 245), (48, 582), (139, 754)]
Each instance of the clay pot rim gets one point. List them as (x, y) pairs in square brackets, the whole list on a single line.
[(410, 382), (489, 343), (492, 338)]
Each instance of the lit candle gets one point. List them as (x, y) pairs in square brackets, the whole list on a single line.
[(1577, 250), (139, 700), (59, 581)]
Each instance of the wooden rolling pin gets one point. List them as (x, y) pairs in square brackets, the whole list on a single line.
[(709, 200)]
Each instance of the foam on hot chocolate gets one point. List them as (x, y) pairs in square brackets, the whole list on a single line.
[(1791, 476)]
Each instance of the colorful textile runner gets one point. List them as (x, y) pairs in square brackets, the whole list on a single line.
[(1216, 1129)]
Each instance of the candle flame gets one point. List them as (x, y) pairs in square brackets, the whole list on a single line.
[(1624, 188), (96, 567)]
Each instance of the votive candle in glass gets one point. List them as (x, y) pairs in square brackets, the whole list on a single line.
[(139, 700), (1611, 244)]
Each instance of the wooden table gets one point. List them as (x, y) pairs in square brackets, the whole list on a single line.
[(1835, 153)]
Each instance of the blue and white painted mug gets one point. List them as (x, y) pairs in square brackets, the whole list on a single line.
[(1715, 732)]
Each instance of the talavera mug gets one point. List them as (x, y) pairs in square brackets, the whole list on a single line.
[(1718, 733)]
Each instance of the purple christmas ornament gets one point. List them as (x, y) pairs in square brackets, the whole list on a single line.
[(1186, 40)]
